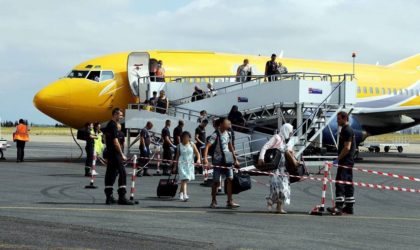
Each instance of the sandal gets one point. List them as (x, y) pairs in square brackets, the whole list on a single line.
[(232, 205)]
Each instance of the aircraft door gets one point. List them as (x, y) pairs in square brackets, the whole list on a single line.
[(138, 72)]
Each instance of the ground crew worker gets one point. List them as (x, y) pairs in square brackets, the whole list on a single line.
[(116, 159), (21, 136), (98, 142), (344, 194)]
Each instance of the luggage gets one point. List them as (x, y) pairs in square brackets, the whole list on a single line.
[(272, 159), (299, 171), (167, 187), (241, 182)]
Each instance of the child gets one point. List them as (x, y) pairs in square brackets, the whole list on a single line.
[(185, 160)]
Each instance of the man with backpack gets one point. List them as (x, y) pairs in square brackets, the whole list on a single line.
[(223, 159)]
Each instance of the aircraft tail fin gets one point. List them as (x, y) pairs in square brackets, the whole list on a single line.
[(412, 62)]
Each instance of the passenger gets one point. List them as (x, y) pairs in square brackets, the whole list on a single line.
[(344, 194), (116, 159), (279, 181), (236, 117), (90, 144), (197, 95), (21, 136), (153, 99), (146, 106), (145, 141), (200, 136), (211, 91), (203, 116), (224, 155), (271, 68), (167, 148), (98, 142), (162, 103), (244, 72), (153, 67), (185, 161), (160, 72), (282, 69)]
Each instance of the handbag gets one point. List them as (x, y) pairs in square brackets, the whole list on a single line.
[(240, 183), (14, 137)]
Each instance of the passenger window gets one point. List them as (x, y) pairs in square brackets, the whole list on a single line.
[(371, 90), (377, 90), (94, 76), (417, 92), (358, 90), (364, 90), (383, 91), (389, 91), (395, 91), (107, 75)]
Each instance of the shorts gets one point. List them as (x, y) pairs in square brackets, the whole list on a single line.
[(217, 172)]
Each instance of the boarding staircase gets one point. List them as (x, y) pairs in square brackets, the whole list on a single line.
[(308, 101)]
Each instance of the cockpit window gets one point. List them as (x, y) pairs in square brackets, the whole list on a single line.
[(78, 74), (107, 75), (94, 76)]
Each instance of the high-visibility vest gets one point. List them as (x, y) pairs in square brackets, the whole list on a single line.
[(21, 133)]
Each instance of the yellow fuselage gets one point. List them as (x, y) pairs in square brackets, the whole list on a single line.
[(75, 101)]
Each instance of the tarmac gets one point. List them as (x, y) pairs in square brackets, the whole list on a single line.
[(43, 204)]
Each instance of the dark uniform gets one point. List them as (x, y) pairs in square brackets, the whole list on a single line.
[(167, 151), (115, 165), (201, 132), (345, 193), (90, 143)]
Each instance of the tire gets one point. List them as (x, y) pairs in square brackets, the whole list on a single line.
[(377, 149), (400, 149), (1, 154), (386, 149), (371, 149)]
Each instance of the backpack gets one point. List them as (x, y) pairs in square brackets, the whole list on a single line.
[(212, 149)]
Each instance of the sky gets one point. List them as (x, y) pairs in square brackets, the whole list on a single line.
[(40, 41)]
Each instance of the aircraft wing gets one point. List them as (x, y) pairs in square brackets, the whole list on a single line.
[(412, 112)]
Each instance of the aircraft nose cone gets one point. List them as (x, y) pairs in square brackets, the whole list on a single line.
[(52, 98)]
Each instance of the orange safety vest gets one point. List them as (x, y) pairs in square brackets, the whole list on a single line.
[(21, 133)]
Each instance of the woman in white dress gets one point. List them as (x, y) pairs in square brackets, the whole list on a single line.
[(185, 161), (279, 181)]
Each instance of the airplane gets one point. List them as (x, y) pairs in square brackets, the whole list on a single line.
[(388, 98)]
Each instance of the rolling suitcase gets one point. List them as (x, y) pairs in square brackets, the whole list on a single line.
[(167, 187)]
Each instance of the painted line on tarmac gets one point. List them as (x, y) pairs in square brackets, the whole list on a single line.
[(222, 211)]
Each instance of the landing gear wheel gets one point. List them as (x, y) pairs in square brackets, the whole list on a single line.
[(400, 149), (377, 149), (386, 149)]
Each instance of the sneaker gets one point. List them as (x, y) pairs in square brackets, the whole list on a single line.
[(94, 172), (181, 197), (124, 201), (186, 197), (110, 200)]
